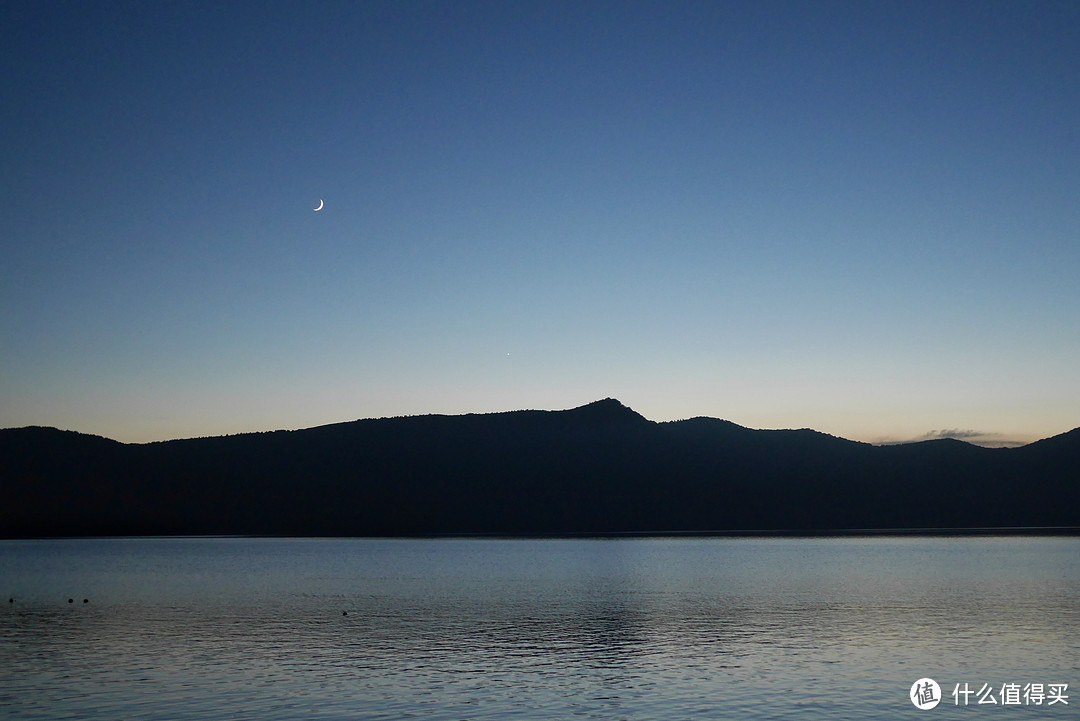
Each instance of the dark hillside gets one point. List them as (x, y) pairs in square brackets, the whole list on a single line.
[(601, 468)]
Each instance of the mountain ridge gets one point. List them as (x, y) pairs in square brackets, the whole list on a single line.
[(599, 468), (607, 408)]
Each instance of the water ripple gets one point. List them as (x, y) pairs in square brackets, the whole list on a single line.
[(644, 629)]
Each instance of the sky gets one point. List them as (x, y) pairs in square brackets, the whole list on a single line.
[(857, 217)]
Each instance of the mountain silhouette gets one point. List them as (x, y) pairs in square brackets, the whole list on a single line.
[(598, 469)]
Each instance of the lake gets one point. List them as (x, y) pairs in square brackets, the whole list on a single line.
[(631, 628)]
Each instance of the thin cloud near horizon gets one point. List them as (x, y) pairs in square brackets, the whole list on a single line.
[(974, 437)]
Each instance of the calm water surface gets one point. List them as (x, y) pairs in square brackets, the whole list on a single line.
[(212, 628)]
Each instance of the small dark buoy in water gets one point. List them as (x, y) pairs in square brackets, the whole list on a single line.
[(71, 600), (344, 613), (11, 600), (86, 600)]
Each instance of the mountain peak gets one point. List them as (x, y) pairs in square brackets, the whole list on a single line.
[(607, 410)]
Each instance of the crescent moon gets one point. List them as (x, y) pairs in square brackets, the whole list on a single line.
[(320, 206)]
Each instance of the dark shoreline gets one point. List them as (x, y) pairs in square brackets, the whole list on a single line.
[(1060, 531)]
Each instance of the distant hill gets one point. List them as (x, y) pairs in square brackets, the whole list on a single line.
[(601, 468)]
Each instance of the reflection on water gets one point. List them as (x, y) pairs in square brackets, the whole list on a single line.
[(549, 629)]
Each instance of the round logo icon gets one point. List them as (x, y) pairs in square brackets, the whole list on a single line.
[(925, 693)]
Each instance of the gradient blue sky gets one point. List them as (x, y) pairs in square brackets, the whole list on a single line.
[(860, 217)]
